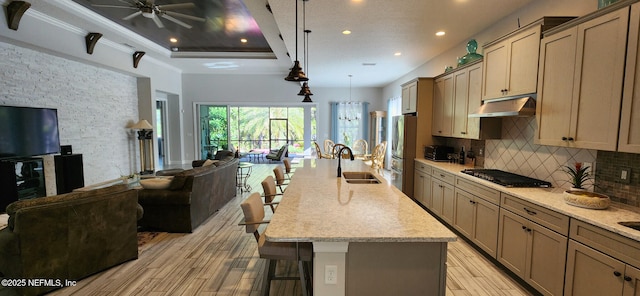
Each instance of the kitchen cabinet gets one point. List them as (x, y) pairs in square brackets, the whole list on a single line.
[(475, 217), (629, 136), (422, 184), (410, 97), (442, 194), (581, 73), (601, 262), (533, 252), (442, 122), (511, 64)]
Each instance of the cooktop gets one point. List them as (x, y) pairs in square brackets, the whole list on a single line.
[(505, 178)]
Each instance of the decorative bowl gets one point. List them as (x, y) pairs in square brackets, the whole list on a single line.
[(586, 199)]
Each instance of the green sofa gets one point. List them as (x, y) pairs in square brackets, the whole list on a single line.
[(192, 197), (68, 236)]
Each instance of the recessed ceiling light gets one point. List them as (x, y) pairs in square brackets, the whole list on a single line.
[(368, 64), (440, 33), (346, 32), (173, 40), (243, 40), (397, 54)]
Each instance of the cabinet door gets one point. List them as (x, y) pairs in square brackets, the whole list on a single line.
[(448, 203), (546, 259), (495, 70), (632, 281), (522, 71), (629, 137), (442, 124), (409, 97), (474, 100), (512, 242), (418, 186), (437, 191), (553, 106), (485, 232), (463, 216), (460, 103), (590, 272), (597, 85)]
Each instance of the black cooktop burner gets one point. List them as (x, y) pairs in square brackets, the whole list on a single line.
[(505, 178)]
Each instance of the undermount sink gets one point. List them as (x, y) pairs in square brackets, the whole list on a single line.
[(632, 224), (360, 178)]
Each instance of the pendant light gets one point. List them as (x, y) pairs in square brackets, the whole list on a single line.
[(296, 73), (305, 90)]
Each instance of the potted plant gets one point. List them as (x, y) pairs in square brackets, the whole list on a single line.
[(578, 195)]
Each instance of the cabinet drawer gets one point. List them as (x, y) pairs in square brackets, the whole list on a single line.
[(425, 168), (543, 216), (443, 175), (617, 246), (484, 192)]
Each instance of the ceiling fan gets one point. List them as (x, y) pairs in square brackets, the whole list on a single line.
[(148, 9)]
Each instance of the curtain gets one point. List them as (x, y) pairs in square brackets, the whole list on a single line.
[(349, 121)]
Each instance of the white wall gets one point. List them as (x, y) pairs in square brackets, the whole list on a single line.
[(263, 90)]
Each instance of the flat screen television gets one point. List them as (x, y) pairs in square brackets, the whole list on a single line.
[(26, 131)]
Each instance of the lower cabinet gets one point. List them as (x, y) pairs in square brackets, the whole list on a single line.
[(442, 199), (533, 252), (422, 184), (477, 219), (590, 272)]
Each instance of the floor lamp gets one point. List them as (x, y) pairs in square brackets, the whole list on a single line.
[(145, 137)]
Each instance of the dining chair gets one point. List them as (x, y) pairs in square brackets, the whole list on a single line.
[(360, 149), (302, 252), (377, 156), (270, 193), (336, 150), (287, 167), (280, 179), (328, 147)]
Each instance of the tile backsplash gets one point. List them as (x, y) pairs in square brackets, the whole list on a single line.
[(516, 152)]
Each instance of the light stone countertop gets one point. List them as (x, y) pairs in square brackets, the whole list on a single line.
[(317, 206), (551, 198)]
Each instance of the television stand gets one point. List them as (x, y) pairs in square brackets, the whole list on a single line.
[(21, 178)]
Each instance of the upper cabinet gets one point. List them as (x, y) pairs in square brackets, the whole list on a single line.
[(629, 138), (409, 97), (581, 73), (511, 62), (457, 94)]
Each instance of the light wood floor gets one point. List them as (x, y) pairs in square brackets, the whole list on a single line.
[(219, 258)]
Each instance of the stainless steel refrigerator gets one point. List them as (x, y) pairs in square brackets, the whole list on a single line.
[(403, 152)]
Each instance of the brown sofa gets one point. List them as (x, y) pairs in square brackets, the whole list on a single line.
[(68, 236), (191, 198)]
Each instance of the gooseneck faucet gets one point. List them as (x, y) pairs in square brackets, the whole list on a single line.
[(340, 157)]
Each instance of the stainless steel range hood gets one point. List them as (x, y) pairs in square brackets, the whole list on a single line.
[(506, 107)]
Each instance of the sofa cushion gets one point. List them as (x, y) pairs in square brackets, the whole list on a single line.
[(156, 183)]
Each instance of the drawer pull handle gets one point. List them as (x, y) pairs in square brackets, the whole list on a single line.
[(524, 227), (617, 273), (441, 176), (530, 212), (627, 278)]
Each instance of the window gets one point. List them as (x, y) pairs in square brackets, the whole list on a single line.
[(349, 122)]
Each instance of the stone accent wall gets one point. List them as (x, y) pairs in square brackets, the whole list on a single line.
[(94, 105)]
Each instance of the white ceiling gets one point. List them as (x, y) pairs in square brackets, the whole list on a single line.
[(380, 29)]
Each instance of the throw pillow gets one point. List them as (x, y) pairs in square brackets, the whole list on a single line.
[(155, 183), (209, 162)]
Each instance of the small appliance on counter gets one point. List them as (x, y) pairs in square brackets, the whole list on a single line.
[(437, 152)]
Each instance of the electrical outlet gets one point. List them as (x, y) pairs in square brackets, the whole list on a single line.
[(331, 274), (625, 175)]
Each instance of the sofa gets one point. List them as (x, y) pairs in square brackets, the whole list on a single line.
[(68, 236), (279, 154), (190, 198)]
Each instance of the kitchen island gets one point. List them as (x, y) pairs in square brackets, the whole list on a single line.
[(379, 241)]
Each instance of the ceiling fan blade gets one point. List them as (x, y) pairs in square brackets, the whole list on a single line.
[(176, 6), (113, 6), (191, 17), (156, 20), (177, 21), (128, 17)]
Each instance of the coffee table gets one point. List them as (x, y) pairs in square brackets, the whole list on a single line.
[(255, 156)]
